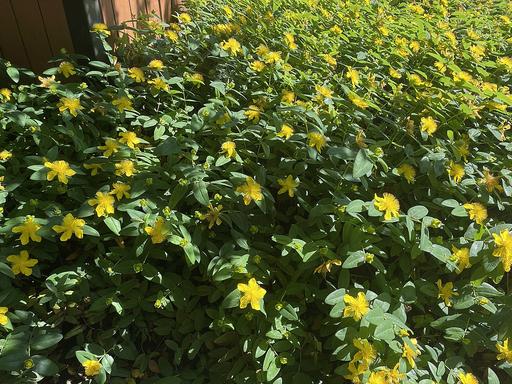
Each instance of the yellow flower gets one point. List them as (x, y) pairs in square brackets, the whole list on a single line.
[(232, 46), (101, 28), (504, 351), (441, 67), (70, 104), (410, 353), (253, 113), (229, 148), (446, 292), (92, 367), (136, 74), (323, 92), (272, 57), (383, 30), (462, 76), (67, 69), (5, 155), (228, 11), (251, 190), (429, 125), (104, 203), (3, 317), (252, 294), (355, 307), (353, 75), (336, 29), (125, 167), (47, 82), (212, 216), (288, 185), (407, 171), (394, 73), (358, 101), (95, 168), (461, 258), (70, 225), (158, 231), (355, 372), (366, 353), (185, 18), (290, 40), (505, 62), (122, 103), (317, 140), (379, 377), (477, 51), (28, 230), (467, 378), (288, 97), (111, 146), (159, 84), (415, 46), (262, 50), (327, 265), (330, 60), (120, 190), (394, 376), (257, 66), (6, 94), (195, 78), (477, 212), (490, 181), (456, 172), (129, 138), (21, 263), (59, 168), (416, 80), (389, 204), (156, 64), (286, 131), (171, 35), (503, 248)]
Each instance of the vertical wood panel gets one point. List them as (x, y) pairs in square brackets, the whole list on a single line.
[(56, 25), (107, 12), (32, 32), (121, 10), (10, 37), (153, 6)]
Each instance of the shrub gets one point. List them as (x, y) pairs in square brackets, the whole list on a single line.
[(289, 192)]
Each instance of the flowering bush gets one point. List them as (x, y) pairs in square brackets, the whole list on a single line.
[(286, 192)]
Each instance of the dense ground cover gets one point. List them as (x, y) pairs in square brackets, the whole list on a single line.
[(264, 191)]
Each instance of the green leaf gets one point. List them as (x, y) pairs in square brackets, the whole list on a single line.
[(44, 366), (90, 231), (6, 270), (44, 338), (14, 74), (492, 378), (454, 333), (335, 297), (384, 330), (232, 300), (362, 164), (417, 212), (354, 260), (113, 224), (200, 192)]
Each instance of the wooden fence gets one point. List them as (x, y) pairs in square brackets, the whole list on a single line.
[(33, 31)]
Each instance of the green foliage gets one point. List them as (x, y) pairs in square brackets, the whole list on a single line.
[(264, 191)]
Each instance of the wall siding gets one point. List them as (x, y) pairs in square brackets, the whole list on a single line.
[(33, 31)]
